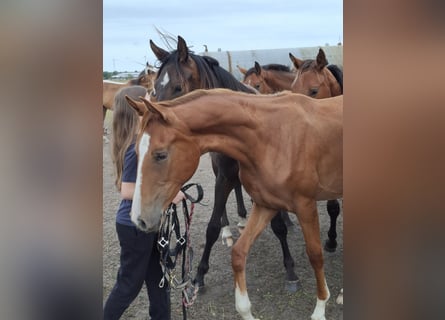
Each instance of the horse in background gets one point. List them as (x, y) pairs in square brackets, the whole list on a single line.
[(109, 88), (273, 78), (316, 78), (180, 72), (269, 78), (300, 135)]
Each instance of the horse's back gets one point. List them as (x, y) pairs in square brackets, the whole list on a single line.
[(109, 89)]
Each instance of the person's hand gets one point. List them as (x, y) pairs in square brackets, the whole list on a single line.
[(179, 197)]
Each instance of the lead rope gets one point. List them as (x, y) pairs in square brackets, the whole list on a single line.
[(182, 246)]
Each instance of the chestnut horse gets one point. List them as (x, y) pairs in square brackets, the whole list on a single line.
[(273, 78), (316, 78), (269, 78), (180, 72), (289, 148), (109, 88)]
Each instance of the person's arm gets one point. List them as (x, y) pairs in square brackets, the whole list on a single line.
[(127, 190)]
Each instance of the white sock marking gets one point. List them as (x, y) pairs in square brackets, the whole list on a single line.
[(319, 312), (242, 304)]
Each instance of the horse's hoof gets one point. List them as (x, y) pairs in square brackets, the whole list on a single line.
[(292, 286), (227, 241), (199, 284), (330, 248)]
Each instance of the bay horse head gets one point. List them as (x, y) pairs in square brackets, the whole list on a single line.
[(269, 78), (315, 78), (166, 161)]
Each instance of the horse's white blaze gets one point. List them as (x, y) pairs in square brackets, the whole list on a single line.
[(165, 80), (242, 304), (319, 312), (136, 206)]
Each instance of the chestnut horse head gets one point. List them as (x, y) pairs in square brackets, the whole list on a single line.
[(165, 163), (315, 78)]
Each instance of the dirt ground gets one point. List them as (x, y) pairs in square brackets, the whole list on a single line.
[(265, 271)]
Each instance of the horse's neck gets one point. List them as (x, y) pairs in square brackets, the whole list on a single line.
[(219, 126), (280, 80)]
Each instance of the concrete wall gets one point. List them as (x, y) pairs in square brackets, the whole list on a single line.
[(246, 59)]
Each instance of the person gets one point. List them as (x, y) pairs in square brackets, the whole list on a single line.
[(139, 257)]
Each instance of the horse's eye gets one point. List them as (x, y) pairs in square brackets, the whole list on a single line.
[(257, 87), (177, 89), (313, 92), (160, 156)]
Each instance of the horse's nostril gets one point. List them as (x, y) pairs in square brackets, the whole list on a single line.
[(142, 224)]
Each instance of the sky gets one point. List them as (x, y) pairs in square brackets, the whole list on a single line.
[(228, 25)]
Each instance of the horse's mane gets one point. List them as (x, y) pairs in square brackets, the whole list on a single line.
[(337, 73), (195, 94), (271, 66), (212, 75)]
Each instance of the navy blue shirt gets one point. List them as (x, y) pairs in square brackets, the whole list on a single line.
[(129, 174)]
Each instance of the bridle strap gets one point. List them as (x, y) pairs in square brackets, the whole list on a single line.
[(169, 224)]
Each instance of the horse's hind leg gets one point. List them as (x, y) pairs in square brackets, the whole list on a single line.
[(222, 191), (280, 230), (242, 212), (333, 208)]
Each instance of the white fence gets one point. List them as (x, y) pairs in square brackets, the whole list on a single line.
[(246, 59)]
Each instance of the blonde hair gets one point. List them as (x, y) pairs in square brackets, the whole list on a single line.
[(125, 127)]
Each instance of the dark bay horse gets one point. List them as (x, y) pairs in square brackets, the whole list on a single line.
[(269, 78), (301, 136), (180, 72)]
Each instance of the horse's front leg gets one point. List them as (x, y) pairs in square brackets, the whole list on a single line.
[(258, 220), (222, 191), (308, 218)]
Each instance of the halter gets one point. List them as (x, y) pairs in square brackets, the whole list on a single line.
[(171, 248)]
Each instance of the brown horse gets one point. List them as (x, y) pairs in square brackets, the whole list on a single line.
[(269, 78), (109, 88), (289, 149), (273, 78), (180, 72), (317, 79)]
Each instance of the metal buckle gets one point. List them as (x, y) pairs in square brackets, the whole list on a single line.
[(162, 242), (181, 241)]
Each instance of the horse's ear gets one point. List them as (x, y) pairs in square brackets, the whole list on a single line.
[(297, 62), (241, 69), (257, 68), (161, 54), (183, 51), (136, 105), (156, 109), (321, 59)]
